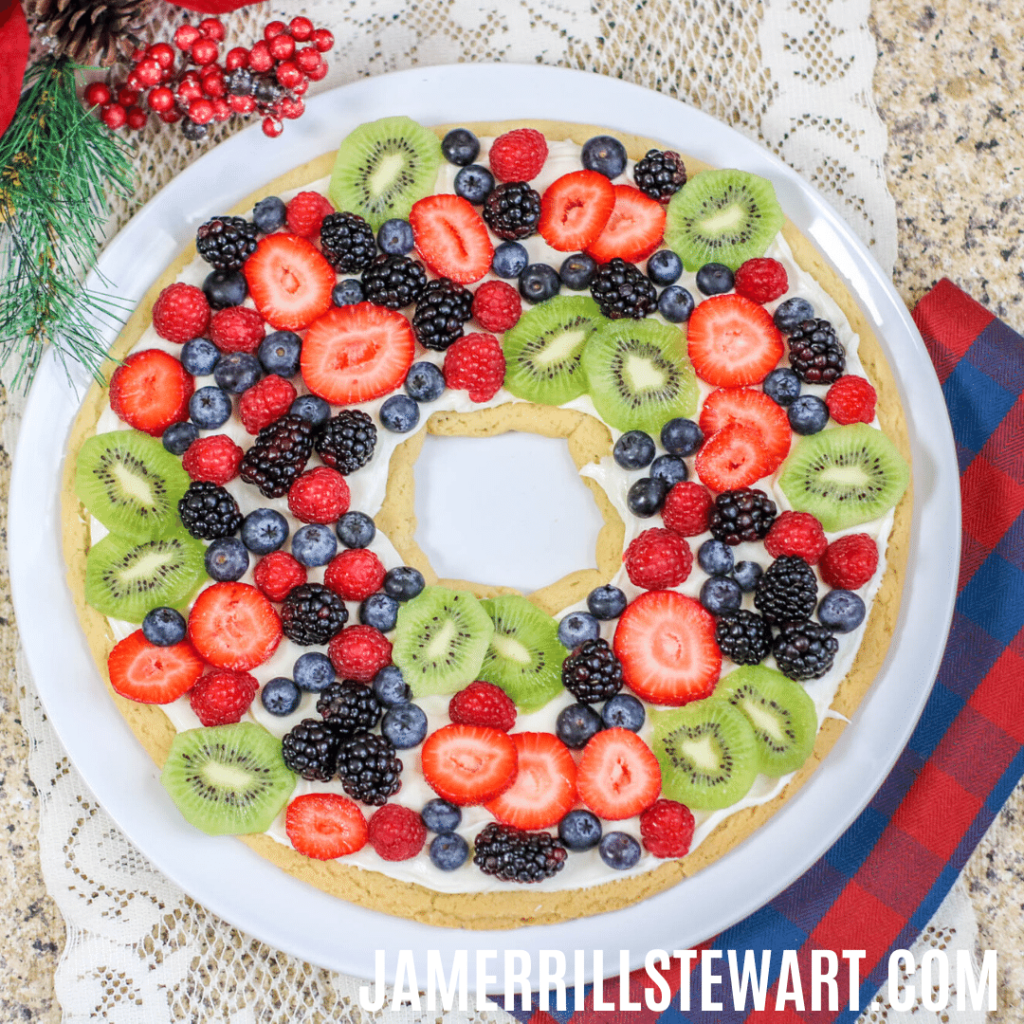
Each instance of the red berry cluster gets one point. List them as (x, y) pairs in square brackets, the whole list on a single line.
[(268, 80)]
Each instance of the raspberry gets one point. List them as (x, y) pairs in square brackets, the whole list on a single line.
[(181, 313), (396, 832), (687, 509), (222, 697), (518, 155), (483, 704), (355, 574), (266, 401), (796, 533), (475, 363), (306, 213), (319, 495), (359, 653), (761, 279), (657, 559), (666, 828), (236, 329), (277, 574), (497, 306), (849, 562), (214, 459), (851, 400)]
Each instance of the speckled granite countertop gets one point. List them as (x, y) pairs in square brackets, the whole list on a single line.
[(950, 87)]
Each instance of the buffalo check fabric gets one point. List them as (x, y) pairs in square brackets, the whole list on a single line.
[(882, 881)]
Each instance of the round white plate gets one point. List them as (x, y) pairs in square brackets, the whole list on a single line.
[(270, 904)]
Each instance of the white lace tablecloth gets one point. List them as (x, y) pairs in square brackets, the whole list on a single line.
[(794, 74)]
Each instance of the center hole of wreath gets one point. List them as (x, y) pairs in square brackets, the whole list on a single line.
[(509, 510)]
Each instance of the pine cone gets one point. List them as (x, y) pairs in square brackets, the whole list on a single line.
[(92, 32)]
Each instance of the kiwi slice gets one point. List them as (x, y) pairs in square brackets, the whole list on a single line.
[(844, 476), (440, 640), (543, 350), (228, 779), (125, 578), (525, 656), (639, 375), (782, 714), (384, 167), (708, 754), (725, 216), (131, 484)]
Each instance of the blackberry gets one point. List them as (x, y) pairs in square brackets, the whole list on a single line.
[(621, 290), (744, 637), (805, 650), (310, 749), (278, 455), (226, 242), (787, 591), (349, 707), (659, 174), (815, 353), (394, 281), (441, 311), (592, 673), (512, 210), (346, 441), (208, 511), (347, 241), (513, 855), (743, 514), (312, 614), (368, 768)]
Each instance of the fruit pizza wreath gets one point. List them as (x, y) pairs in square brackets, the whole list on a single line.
[(239, 522)]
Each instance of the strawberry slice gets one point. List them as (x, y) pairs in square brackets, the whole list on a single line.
[(732, 457), (143, 672), (325, 825), (232, 625), (666, 643), (633, 231), (618, 775), (544, 790), (150, 391), (289, 280), (752, 409), (469, 764), (451, 238), (575, 209), (733, 341), (355, 353)]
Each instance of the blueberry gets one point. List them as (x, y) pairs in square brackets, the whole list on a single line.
[(380, 611), (448, 851), (280, 696), (399, 414), (782, 386), (163, 627), (792, 312), (664, 267), (348, 292), (576, 724), (606, 602), (808, 414), (199, 356), (390, 687), (715, 278), (279, 353), (209, 408), (178, 437), (681, 437), (715, 558), (405, 725), (403, 583), (237, 372), (623, 711), (311, 408), (424, 382), (675, 304), (460, 147), (440, 816), (264, 530), (580, 830), (721, 594), (634, 450), (269, 215), (841, 611), (539, 282), (605, 155), (356, 530), (746, 574), (577, 627), (395, 237), (314, 544), (619, 850), (645, 498), (577, 271), (510, 259), (474, 183), (669, 468), (227, 560), (313, 672), (224, 288)]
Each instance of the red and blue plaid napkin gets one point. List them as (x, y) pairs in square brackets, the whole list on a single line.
[(880, 884)]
